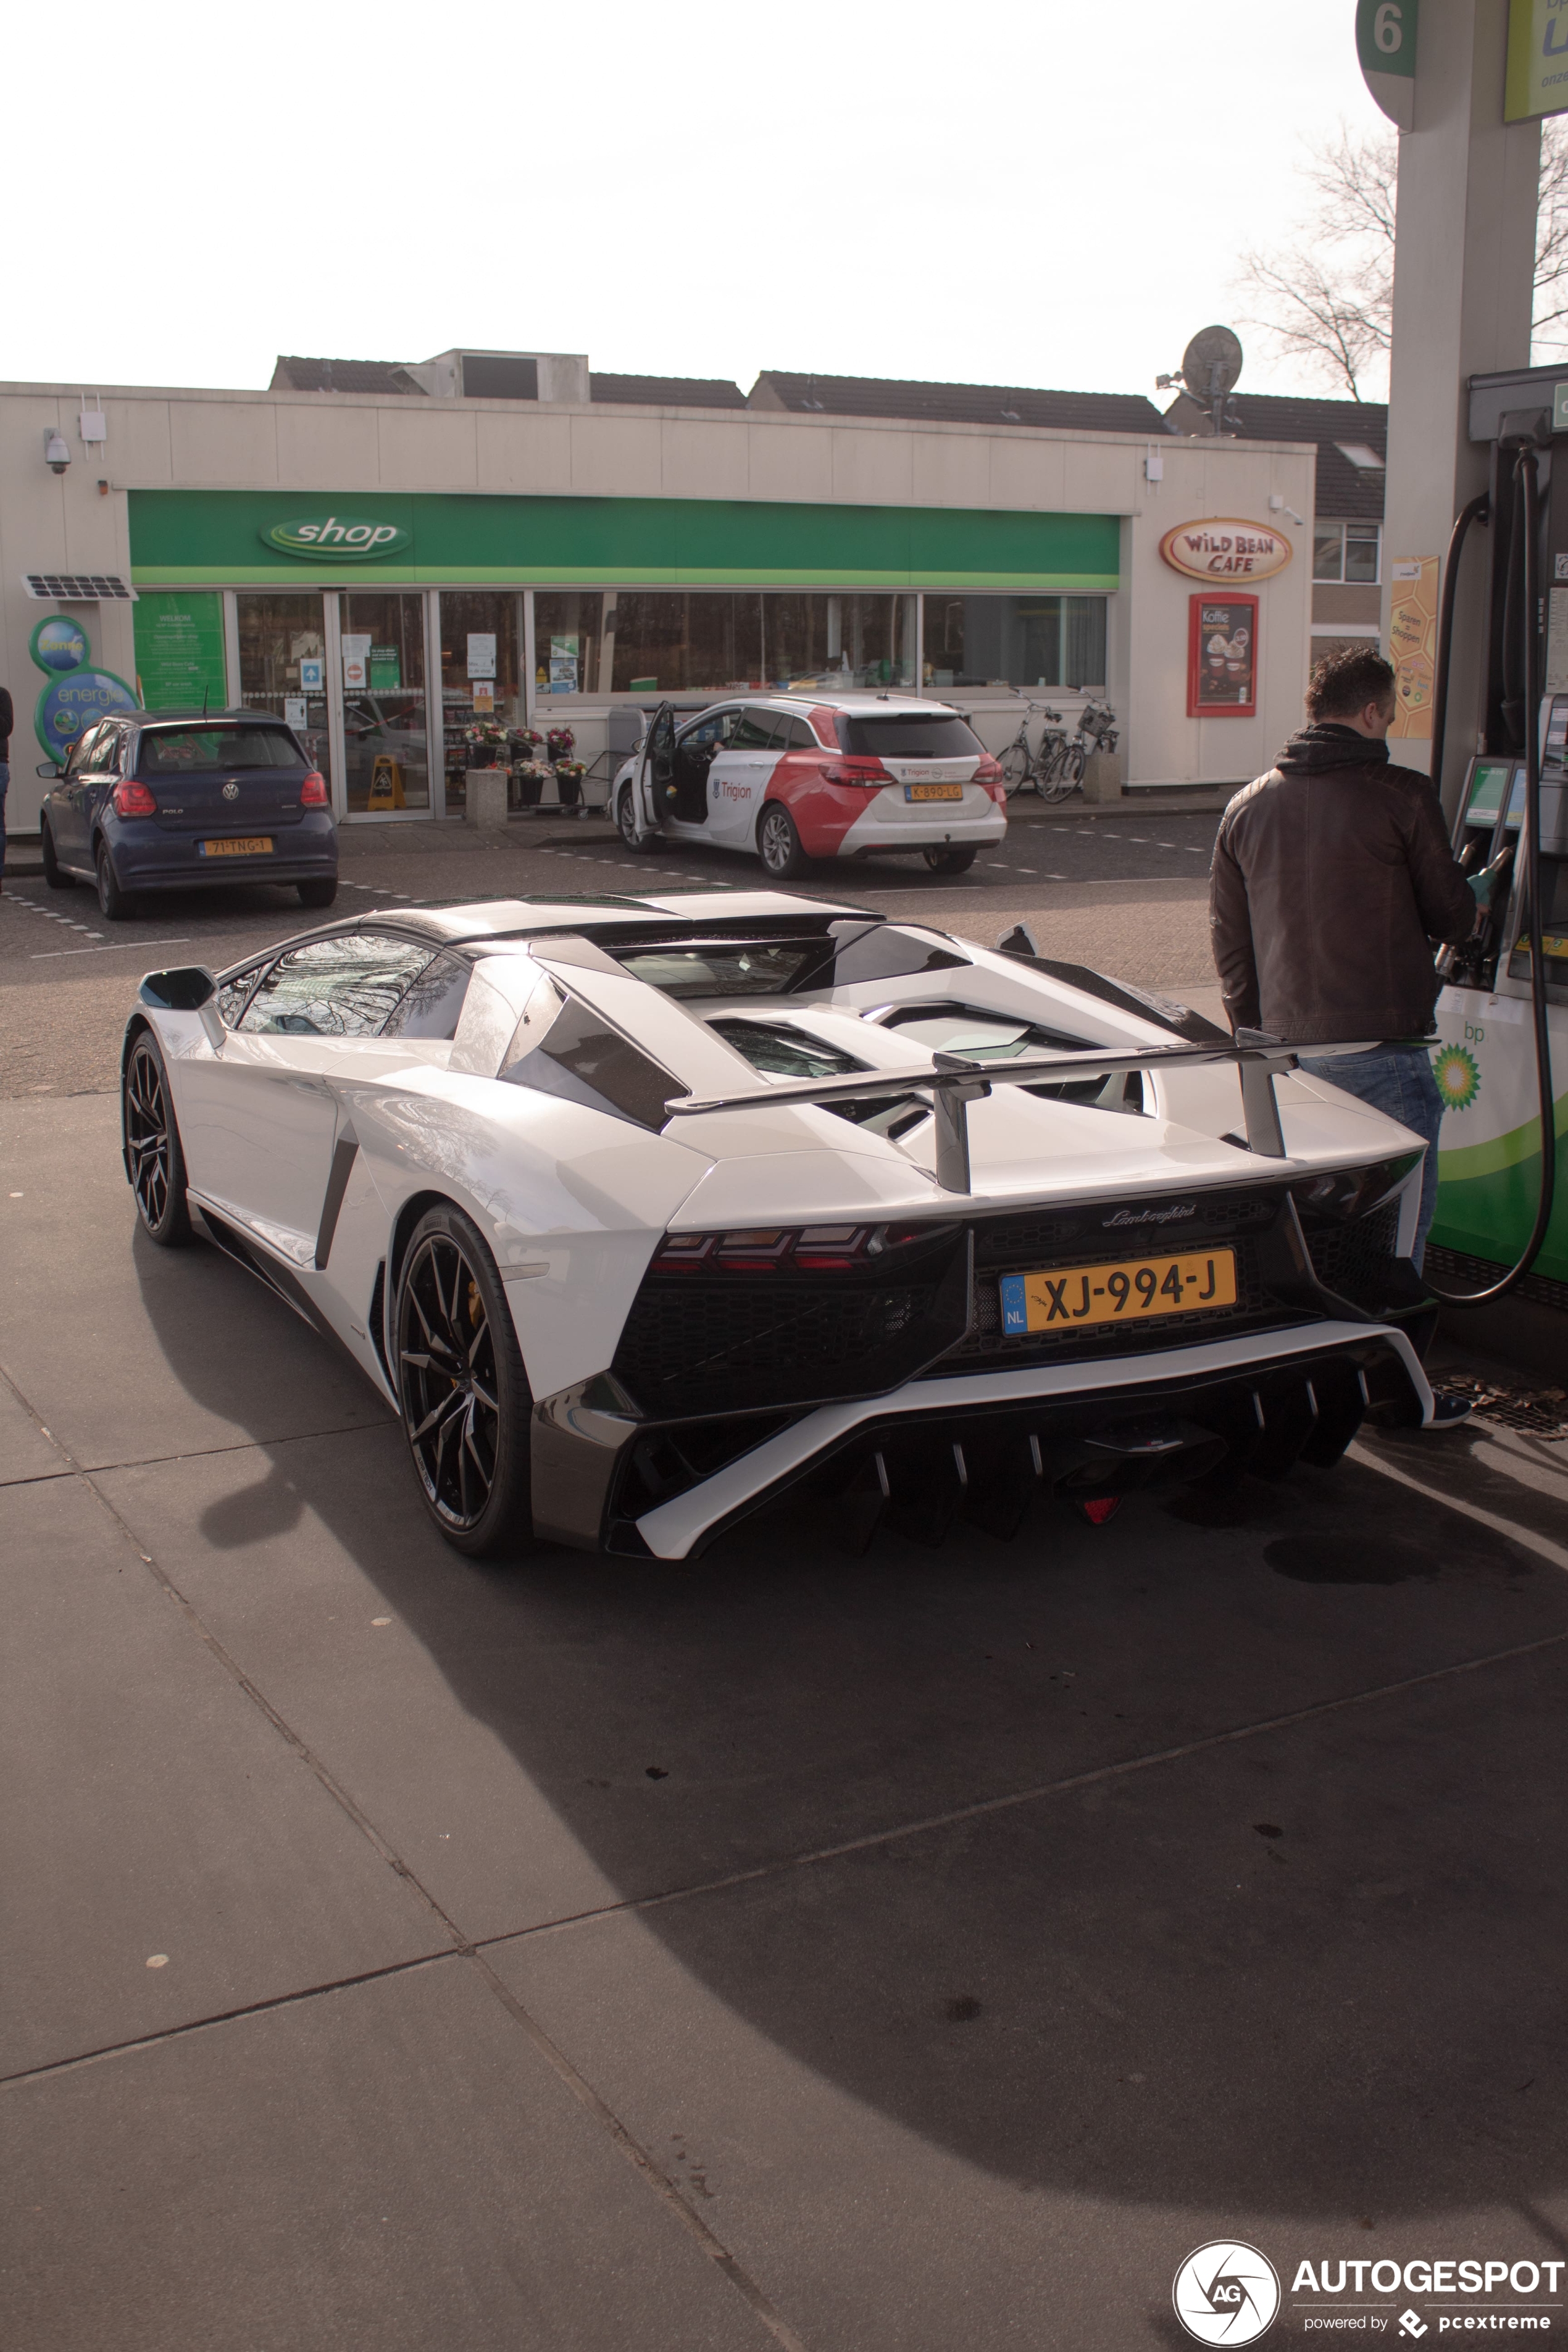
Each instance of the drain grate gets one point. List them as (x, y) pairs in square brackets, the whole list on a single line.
[(1537, 1411)]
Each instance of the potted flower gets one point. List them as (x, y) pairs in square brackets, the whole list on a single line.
[(530, 777), (569, 775), (563, 743), (525, 741), (486, 742)]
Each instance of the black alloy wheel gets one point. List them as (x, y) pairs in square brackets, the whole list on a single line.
[(949, 861), (462, 1388), (778, 843), (55, 873), (151, 1139), (115, 905), (626, 819)]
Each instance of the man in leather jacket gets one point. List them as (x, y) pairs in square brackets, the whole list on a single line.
[(1331, 881)]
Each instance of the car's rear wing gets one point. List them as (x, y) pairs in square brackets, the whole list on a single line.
[(953, 1083)]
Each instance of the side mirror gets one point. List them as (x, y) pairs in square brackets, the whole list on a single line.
[(184, 990), (48, 770)]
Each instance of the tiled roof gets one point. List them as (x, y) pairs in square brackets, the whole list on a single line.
[(667, 390), (957, 403), (292, 375), (1347, 493)]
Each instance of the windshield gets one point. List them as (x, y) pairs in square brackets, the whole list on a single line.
[(909, 735), (191, 750)]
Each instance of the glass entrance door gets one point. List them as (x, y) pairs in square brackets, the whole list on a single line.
[(282, 664), (385, 729)]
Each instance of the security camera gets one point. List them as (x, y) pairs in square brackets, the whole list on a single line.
[(57, 456)]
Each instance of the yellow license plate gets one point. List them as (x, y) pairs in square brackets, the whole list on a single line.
[(1129, 1291), (246, 847), (933, 792)]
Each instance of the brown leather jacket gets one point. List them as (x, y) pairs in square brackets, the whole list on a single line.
[(1331, 879)]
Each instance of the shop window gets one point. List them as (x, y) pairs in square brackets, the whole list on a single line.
[(277, 633), (703, 642), (1015, 641), (384, 727), (1349, 551), (481, 675), (568, 637)]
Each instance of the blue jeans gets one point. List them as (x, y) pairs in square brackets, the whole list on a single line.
[(5, 781), (1399, 1081)]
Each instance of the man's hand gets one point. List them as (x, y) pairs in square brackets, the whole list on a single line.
[(1488, 883)]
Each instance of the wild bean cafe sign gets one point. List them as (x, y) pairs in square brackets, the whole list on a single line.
[(1226, 549), (339, 538)]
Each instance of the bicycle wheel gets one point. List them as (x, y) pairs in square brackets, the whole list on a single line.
[(1018, 768), (1069, 773)]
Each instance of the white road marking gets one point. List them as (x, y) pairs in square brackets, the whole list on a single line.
[(120, 947)]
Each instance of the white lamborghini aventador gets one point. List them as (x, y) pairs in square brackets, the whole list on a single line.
[(644, 1211)]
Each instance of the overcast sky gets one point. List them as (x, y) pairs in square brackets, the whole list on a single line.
[(1029, 191)]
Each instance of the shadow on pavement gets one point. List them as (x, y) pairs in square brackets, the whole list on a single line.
[(1315, 1970)]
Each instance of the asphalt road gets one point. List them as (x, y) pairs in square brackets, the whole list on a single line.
[(1122, 892)]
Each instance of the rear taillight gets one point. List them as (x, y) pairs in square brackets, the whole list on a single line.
[(772, 1249), (855, 770), (988, 774), (132, 799), (313, 791)]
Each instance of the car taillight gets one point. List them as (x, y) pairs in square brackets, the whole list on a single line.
[(313, 791), (987, 771), (132, 799), (771, 1249), (855, 770)]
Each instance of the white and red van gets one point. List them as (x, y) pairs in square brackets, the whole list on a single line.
[(793, 777)]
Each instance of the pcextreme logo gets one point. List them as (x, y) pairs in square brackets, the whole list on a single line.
[(344, 538), (1227, 2293)]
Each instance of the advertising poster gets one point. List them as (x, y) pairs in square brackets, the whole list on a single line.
[(1222, 657), (481, 653), (564, 664), (484, 697), (1413, 643), (356, 662), (1536, 81), (385, 669), (179, 651)]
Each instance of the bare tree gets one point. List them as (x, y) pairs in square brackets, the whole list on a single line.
[(1327, 296)]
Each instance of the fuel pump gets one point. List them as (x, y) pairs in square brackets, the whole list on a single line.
[(1502, 1014)]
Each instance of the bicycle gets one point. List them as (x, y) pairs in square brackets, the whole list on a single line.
[(1022, 766), (1096, 732)]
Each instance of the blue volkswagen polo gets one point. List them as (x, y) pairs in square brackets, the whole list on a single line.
[(153, 800)]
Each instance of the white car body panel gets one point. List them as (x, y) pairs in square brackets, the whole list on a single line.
[(318, 1151)]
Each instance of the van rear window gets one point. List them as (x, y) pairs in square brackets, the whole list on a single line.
[(909, 736), (194, 750)]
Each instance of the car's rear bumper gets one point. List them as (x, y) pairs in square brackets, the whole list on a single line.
[(876, 837), (147, 856), (1265, 1398)]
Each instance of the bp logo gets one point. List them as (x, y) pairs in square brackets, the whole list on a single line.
[(1227, 2293), (1459, 1078), (344, 539)]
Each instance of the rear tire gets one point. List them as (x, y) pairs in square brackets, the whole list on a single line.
[(949, 861), (462, 1389), (778, 843), (1069, 776), (55, 873), (150, 1140), (1016, 768), (626, 821), (318, 894), (115, 905)]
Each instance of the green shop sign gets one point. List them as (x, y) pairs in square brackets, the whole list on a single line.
[(236, 538), (344, 539)]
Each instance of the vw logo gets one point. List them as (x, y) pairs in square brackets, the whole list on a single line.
[(231, 792), (1227, 2293)]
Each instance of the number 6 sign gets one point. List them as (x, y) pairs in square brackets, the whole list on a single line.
[(1385, 47)]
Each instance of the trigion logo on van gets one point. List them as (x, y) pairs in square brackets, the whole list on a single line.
[(1226, 549), (339, 539)]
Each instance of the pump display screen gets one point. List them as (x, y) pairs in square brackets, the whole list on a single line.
[(1486, 789)]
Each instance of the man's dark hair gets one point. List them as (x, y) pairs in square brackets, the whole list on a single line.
[(1343, 684)]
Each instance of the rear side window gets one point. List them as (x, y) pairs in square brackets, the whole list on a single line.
[(432, 1003), (194, 751), (334, 988), (908, 736), (800, 736), (757, 732)]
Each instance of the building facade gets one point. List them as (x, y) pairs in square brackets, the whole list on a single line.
[(387, 554)]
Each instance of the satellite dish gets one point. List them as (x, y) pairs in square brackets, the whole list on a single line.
[(1211, 363)]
